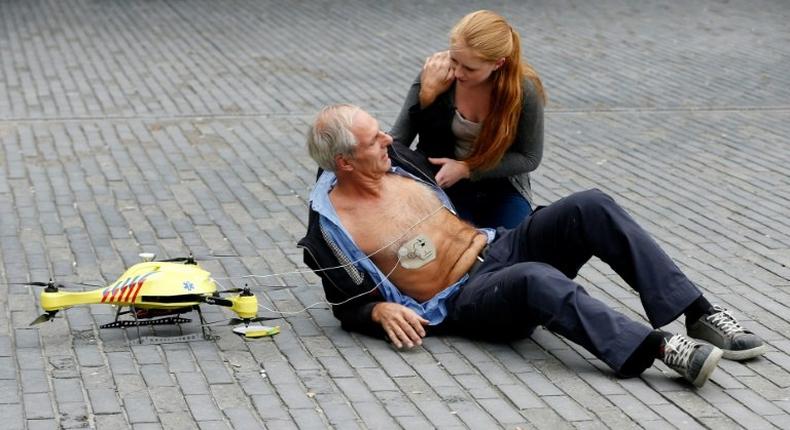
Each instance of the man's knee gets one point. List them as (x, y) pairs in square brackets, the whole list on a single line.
[(592, 198), (593, 204)]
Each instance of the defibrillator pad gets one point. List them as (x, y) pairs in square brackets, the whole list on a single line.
[(417, 252)]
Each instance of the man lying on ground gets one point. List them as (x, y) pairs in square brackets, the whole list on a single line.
[(395, 260)]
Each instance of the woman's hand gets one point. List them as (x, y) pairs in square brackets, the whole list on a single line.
[(451, 171), (403, 326), (437, 76)]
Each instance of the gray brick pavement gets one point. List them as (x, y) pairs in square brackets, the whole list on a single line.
[(170, 127)]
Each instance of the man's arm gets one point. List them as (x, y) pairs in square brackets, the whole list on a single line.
[(369, 315)]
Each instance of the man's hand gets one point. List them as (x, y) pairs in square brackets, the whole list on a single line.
[(451, 171), (403, 325), (437, 75)]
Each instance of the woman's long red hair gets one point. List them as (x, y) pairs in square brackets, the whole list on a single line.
[(488, 35)]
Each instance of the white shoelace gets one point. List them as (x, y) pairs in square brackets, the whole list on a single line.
[(724, 321), (677, 351)]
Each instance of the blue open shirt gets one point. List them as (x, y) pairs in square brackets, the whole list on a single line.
[(433, 310)]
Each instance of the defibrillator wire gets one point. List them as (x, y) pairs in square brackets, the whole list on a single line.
[(260, 306), (342, 266), (395, 266)]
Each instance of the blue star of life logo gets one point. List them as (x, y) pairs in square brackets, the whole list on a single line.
[(189, 286)]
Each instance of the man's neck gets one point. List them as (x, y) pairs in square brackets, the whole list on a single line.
[(359, 185)]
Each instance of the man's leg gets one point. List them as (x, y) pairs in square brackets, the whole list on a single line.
[(504, 301), (570, 231), (567, 233)]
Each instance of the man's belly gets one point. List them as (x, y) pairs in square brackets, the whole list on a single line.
[(425, 282)]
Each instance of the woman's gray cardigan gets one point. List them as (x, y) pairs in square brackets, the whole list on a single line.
[(433, 125)]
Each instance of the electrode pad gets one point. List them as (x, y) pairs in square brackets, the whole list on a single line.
[(417, 252)]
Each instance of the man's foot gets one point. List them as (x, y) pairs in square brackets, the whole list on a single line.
[(722, 330), (692, 359)]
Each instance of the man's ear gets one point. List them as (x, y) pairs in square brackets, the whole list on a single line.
[(342, 164)]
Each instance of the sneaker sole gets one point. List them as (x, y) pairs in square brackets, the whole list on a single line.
[(708, 367), (745, 354)]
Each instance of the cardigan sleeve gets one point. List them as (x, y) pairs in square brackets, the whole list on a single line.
[(406, 128), (526, 152)]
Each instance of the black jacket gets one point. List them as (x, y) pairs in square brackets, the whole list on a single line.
[(340, 284)]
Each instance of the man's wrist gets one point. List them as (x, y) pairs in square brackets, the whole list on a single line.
[(374, 313)]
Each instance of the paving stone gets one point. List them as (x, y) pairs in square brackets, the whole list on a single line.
[(242, 418), (38, 407), (121, 363), (73, 414), (567, 408), (9, 392), (521, 396), (45, 424), (212, 425), (68, 390), (104, 401), (156, 375), (203, 408), (11, 415), (192, 383), (34, 381), (139, 409), (7, 368)]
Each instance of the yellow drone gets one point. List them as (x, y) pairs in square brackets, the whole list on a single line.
[(155, 293)]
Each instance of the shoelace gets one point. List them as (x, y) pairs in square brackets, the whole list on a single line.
[(677, 351), (724, 321)]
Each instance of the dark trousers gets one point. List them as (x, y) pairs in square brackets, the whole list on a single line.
[(526, 280)]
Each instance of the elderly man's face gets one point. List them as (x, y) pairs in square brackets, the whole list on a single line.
[(370, 154)]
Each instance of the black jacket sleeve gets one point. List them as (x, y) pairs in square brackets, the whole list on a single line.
[(351, 303)]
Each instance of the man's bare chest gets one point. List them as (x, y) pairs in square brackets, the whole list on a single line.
[(394, 219)]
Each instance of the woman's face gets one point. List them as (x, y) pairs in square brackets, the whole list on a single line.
[(471, 69)]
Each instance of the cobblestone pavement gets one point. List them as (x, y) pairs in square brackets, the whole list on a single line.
[(177, 126)]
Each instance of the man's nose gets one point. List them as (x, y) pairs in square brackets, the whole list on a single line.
[(387, 141)]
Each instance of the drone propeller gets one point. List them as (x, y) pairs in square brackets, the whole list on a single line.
[(186, 260), (51, 285), (191, 259), (44, 317)]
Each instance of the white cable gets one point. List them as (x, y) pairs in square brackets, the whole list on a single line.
[(260, 306), (296, 272), (395, 266), (342, 266)]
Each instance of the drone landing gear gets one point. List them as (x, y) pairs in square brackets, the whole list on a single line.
[(138, 323), (147, 317)]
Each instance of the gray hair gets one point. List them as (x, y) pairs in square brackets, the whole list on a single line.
[(330, 135)]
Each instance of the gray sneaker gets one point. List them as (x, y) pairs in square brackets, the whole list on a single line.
[(722, 330), (694, 360)]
